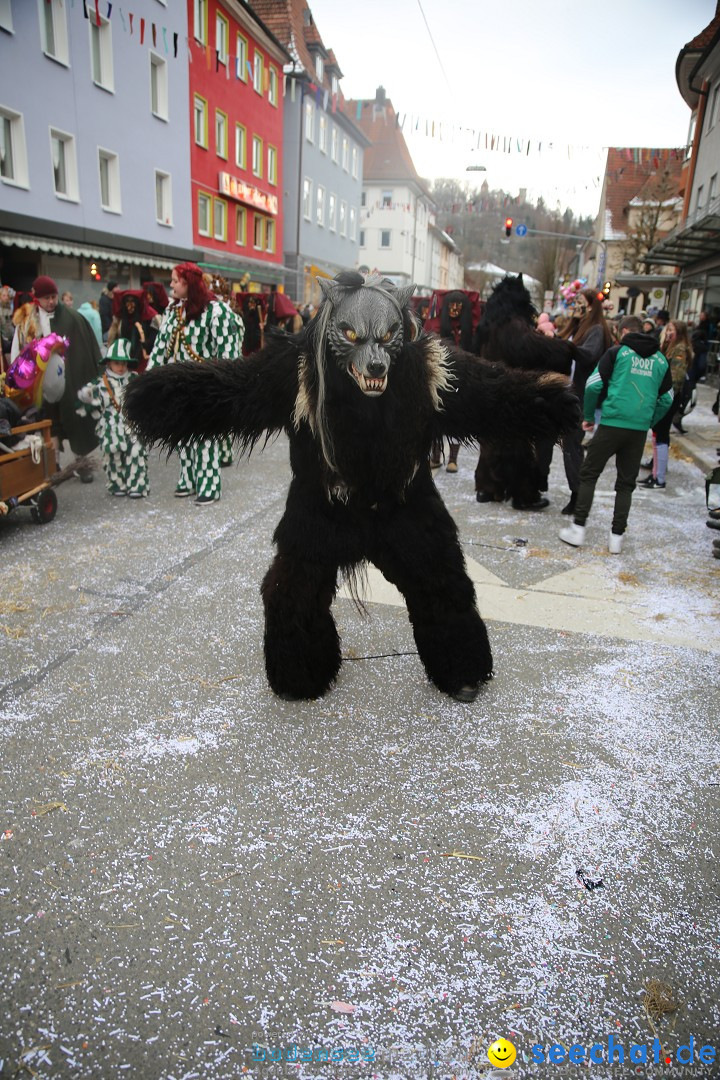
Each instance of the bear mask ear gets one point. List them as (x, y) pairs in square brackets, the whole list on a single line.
[(330, 290), (403, 295)]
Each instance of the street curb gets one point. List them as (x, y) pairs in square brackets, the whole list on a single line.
[(698, 457)]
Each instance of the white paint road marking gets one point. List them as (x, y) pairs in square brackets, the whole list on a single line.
[(579, 601)]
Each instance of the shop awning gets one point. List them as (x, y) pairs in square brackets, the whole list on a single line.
[(83, 251), (693, 241)]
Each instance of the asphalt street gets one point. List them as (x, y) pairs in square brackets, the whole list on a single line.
[(200, 880)]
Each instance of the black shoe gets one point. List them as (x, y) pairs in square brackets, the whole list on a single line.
[(651, 482), (539, 504), (570, 507), (714, 514), (482, 496), (677, 424), (183, 493), (466, 693), (647, 464), (204, 500), (711, 524)]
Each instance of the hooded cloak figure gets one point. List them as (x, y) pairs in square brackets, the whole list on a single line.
[(361, 393)]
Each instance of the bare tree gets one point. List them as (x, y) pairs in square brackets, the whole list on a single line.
[(654, 214)]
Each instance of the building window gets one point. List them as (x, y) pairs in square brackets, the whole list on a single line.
[(222, 36), (322, 134), (713, 111), (204, 211), (355, 161), (345, 154), (13, 151), (319, 68), (332, 212), (109, 165), (200, 113), (64, 164), (163, 198), (200, 20), (307, 199), (53, 30), (6, 22), (240, 143), (320, 205), (385, 237), (333, 142), (259, 236), (700, 196), (221, 134), (158, 86), (712, 192), (272, 165), (257, 155), (386, 202), (363, 198), (101, 57), (219, 219), (241, 226), (362, 238), (270, 235), (343, 219), (241, 49), (309, 121), (353, 223), (257, 72), (273, 86), (334, 84)]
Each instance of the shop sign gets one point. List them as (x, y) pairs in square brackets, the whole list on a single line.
[(246, 193)]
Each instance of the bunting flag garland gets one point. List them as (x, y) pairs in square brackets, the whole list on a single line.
[(175, 42), (154, 36), (142, 31)]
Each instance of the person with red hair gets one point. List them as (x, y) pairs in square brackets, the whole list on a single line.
[(197, 327)]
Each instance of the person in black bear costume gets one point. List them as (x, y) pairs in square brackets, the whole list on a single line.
[(456, 327), (506, 334), (361, 393)]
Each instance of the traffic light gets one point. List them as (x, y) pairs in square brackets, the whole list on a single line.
[(508, 226)]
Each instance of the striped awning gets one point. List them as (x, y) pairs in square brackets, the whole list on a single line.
[(83, 251)]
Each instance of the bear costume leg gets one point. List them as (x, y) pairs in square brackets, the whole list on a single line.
[(418, 550), (302, 646)]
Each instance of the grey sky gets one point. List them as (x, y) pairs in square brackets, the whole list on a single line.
[(597, 75)]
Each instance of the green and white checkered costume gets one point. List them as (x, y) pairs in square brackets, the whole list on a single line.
[(124, 457), (217, 334)]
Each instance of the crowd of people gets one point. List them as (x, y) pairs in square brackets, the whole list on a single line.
[(635, 377)]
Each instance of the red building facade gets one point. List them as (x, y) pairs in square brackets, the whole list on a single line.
[(236, 138)]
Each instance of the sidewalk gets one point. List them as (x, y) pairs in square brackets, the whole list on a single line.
[(703, 432)]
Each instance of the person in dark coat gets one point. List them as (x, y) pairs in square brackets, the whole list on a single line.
[(46, 316)]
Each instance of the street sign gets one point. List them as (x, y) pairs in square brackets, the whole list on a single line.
[(521, 230)]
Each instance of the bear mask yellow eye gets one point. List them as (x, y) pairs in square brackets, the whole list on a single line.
[(351, 335), (386, 337)]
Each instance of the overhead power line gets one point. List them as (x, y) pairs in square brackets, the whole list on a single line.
[(437, 54)]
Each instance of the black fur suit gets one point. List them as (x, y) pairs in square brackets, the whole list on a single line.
[(361, 393), (506, 334)]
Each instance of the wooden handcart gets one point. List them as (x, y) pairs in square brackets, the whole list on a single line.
[(26, 482)]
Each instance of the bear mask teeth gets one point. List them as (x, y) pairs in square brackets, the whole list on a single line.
[(371, 387)]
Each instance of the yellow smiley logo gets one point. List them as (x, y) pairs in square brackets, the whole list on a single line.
[(501, 1054)]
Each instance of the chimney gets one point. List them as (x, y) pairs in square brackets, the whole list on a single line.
[(380, 93)]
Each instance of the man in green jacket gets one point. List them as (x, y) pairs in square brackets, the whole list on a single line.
[(632, 384)]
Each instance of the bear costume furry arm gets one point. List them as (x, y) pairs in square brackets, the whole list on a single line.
[(184, 403), (490, 402)]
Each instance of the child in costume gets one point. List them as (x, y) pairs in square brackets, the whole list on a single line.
[(124, 456)]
